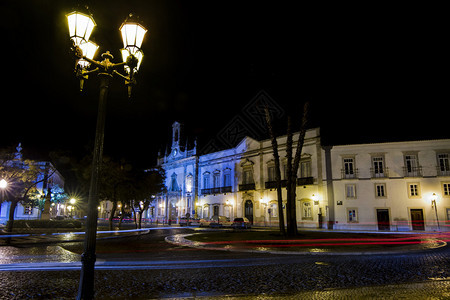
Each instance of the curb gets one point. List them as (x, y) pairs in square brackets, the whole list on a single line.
[(180, 240)]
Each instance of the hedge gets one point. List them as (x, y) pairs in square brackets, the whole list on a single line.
[(46, 224)]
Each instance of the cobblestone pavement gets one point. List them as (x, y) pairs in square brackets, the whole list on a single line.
[(267, 276), (300, 276)]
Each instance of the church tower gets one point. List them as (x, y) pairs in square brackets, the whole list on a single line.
[(176, 134)]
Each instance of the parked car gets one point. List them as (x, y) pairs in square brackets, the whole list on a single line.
[(241, 223), (204, 222), (220, 221), (185, 222), (192, 222)]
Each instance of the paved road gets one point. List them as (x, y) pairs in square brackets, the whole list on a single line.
[(147, 267)]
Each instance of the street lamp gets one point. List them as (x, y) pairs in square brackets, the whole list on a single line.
[(433, 204), (80, 29), (3, 184)]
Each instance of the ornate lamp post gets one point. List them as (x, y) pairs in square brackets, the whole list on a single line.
[(80, 28)]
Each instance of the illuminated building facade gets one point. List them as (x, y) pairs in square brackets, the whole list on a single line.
[(383, 186), (51, 180)]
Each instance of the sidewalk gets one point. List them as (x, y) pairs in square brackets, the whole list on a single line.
[(312, 242)]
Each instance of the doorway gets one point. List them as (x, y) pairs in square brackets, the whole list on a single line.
[(383, 219), (417, 219), (249, 211)]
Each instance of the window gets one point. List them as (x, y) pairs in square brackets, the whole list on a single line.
[(306, 210), (205, 211), (271, 173), (444, 164), (380, 190), (378, 169), (348, 166), (273, 210), (206, 180), (227, 177), (247, 176), (27, 210), (412, 168), (352, 214), (413, 190), (410, 162), (215, 210), (350, 191), (348, 170), (173, 183), (189, 183), (227, 211), (446, 189), (305, 169), (216, 177)]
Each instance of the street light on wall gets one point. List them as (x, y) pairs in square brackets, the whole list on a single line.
[(433, 204), (81, 26)]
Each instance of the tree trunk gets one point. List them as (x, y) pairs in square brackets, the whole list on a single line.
[(298, 154), (12, 209), (140, 218), (277, 172), (291, 185), (111, 216), (122, 210)]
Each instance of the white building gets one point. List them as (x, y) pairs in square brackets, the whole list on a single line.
[(384, 186), (390, 186), (51, 177)]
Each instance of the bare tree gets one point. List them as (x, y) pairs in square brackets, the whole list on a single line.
[(276, 158), (292, 169)]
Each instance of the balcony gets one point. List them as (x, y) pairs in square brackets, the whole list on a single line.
[(349, 173), (216, 190), (225, 189), (379, 173), (412, 171), (305, 180), (443, 171), (273, 184), (247, 187)]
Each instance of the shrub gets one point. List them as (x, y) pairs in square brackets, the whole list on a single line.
[(46, 224)]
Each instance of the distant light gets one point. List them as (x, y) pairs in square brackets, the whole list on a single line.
[(73, 201), (3, 184)]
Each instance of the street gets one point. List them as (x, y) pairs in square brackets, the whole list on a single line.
[(146, 266)]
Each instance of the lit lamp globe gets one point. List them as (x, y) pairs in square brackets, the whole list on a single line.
[(89, 50), (80, 27), (132, 36)]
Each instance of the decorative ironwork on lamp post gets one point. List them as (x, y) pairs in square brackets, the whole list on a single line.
[(81, 26)]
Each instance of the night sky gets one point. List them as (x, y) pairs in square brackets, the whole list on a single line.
[(371, 73)]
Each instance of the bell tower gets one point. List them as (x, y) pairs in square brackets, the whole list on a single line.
[(176, 134)]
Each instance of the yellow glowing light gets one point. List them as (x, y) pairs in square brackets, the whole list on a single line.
[(132, 34), (72, 201), (80, 27), (89, 50), (132, 51), (3, 184)]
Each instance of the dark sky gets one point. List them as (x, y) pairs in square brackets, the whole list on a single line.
[(371, 73)]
